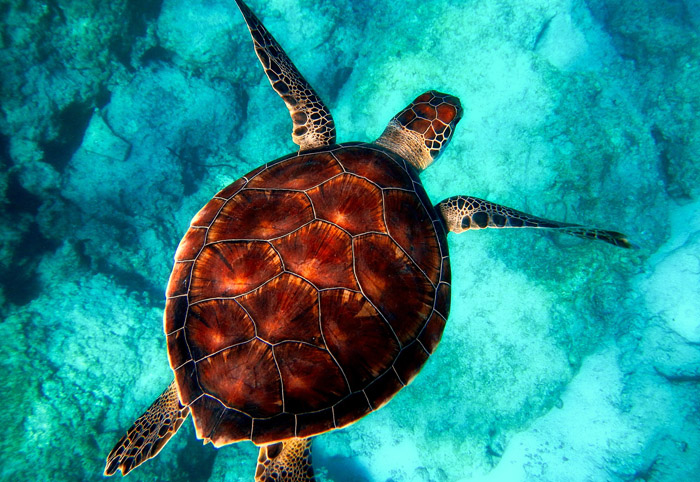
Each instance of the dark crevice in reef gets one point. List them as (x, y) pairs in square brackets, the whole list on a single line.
[(80, 248), (56, 10), (72, 124), (635, 40), (21, 284), (343, 469), (197, 460), (193, 167), (5, 160), (542, 32), (339, 79), (141, 14), (121, 50), (103, 97), (156, 54), (20, 200), (244, 99), (130, 280), (668, 159)]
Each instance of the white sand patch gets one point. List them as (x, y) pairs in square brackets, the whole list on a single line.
[(573, 443), (572, 40), (563, 43), (375, 449), (673, 286)]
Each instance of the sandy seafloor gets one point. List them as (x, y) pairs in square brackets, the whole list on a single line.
[(563, 360)]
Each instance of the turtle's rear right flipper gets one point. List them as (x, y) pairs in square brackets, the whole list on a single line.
[(288, 461), (149, 434)]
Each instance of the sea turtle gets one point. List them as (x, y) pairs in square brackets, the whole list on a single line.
[(310, 291)]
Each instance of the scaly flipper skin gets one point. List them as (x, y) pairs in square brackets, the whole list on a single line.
[(313, 124), (149, 434), (462, 213), (288, 461)]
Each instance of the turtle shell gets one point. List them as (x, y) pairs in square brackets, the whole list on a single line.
[(305, 295)]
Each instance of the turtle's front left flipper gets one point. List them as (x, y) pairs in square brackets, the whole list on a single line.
[(313, 124), (149, 434), (462, 213)]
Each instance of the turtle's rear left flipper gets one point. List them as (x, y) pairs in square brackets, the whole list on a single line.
[(149, 434), (462, 213)]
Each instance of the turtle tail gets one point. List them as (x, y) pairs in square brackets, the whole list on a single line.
[(149, 434)]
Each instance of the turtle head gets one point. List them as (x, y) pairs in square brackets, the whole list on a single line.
[(421, 131)]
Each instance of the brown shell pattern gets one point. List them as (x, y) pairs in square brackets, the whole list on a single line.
[(305, 295)]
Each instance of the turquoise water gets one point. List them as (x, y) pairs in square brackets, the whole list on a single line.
[(562, 360)]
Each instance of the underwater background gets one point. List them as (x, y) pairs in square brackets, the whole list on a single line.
[(562, 360)]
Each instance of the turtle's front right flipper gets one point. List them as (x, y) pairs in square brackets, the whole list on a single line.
[(461, 213), (149, 434), (313, 124)]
